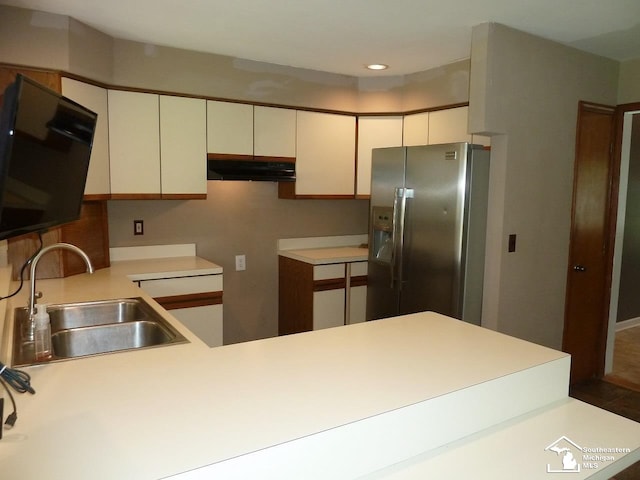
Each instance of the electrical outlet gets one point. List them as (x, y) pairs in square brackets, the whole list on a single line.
[(241, 263), (138, 227)]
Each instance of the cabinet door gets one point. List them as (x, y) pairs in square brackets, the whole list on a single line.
[(274, 132), (229, 128), (94, 98), (204, 322), (329, 303), (325, 159), (415, 129), (328, 309), (447, 126), (134, 142), (183, 145), (357, 292), (374, 132)]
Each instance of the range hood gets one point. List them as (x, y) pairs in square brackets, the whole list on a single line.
[(264, 169)]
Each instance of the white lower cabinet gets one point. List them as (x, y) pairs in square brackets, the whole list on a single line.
[(357, 306), (344, 300), (196, 301), (329, 295), (313, 297)]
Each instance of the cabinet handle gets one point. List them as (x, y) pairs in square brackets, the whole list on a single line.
[(579, 268)]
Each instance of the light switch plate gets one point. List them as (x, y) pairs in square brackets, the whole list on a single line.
[(241, 263)]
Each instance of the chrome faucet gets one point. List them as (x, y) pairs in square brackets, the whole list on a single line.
[(33, 295)]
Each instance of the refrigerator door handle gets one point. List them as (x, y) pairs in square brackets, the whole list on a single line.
[(397, 195), (399, 209)]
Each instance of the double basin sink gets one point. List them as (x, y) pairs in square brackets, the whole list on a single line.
[(94, 328)]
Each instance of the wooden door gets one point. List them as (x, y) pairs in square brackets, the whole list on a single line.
[(588, 275)]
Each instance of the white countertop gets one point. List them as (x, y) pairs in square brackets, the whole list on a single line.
[(155, 413), (323, 256), (325, 250)]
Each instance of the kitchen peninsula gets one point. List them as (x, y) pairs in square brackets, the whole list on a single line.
[(415, 396)]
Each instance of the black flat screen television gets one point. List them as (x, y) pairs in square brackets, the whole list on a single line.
[(45, 145)]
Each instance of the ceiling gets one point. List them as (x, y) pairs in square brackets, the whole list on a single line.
[(342, 36)]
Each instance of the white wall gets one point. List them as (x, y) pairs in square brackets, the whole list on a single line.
[(525, 91)]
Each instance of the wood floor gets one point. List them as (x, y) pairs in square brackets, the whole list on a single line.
[(618, 392), (626, 359)]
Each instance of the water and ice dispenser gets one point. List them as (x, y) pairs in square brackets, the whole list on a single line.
[(382, 234)]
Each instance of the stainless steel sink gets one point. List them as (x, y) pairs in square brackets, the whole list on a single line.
[(94, 328)]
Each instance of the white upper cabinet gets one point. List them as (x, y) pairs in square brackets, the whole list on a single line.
[(94, 98), (229, 128), (183, 145), (439, 126), (416, 129), (374, 132), (447, 126), (325, 159), (134, 142), (274, 132)]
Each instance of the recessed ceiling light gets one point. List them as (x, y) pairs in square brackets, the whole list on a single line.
[(377, 66)]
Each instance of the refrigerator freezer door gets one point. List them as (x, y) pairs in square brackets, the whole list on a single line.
[(434, 226), (387, 175)]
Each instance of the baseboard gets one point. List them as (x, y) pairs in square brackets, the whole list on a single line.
[(632, 322)]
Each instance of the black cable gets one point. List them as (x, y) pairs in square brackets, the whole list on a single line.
[(18, 380), (24, 267), (13, 416)]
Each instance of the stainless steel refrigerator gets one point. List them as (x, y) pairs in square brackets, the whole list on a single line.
[(428, 214)]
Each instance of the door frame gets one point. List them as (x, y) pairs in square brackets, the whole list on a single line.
[(621, 111), (585, 331), (601, 351)]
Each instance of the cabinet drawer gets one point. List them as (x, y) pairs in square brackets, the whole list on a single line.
[(359, 268), (166, 287), (325, 272)]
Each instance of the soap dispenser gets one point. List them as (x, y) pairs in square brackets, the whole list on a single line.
[(42, 333)]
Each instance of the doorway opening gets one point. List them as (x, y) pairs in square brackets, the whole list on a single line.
[(622, 359)]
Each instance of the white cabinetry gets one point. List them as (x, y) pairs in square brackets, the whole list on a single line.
[(374, 132), (183, 147), (416, 129), (94, 98), (325, 159), (229, 128), (245, 130), (196, 301), (357, 288), (157, 145), (440, 126), (313, 297), (274, 131), (448, 126), (134, 142), (328, 305), (340, 305)]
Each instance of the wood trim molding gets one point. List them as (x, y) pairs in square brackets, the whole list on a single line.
[(249, 158), (265, 158), (94, 197), (295, 296), (183, 196), (190, 300), (136, 196), (359, 281), (329, 284), (229, 156)]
